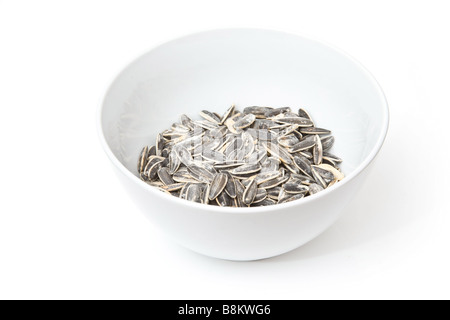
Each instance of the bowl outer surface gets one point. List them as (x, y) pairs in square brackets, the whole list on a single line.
[(212, 69), (242, 237)]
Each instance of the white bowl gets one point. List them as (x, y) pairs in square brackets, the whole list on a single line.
[(211, 70)]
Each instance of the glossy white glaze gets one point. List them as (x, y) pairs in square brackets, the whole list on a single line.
[(213, 69)]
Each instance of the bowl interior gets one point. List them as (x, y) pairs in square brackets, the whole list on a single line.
[(215, 69)]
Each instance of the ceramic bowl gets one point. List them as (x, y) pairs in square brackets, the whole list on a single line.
[(212, 70)]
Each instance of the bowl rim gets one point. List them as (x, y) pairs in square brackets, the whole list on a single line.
[(250, 210)]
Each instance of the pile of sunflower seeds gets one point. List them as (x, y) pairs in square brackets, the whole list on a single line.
[(260, 157)]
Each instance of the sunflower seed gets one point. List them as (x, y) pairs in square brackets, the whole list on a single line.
[(273, 193), (301, 122), (159, 144), (266, 176), (186, 121), (332, 157), (229, 123), (183, 177), (184, 155), (291, 114), (152, 172), (224, 200), (338, 175), (277, 111), (318, 178), (327, 175), (295, 187), (237, 155), (288, 141), (279, 152), (246, 180), (239, 194), (143, 158), (287, 130), (282, 195), (183, 190), (218, 132), (262, 134), (217, 185), (327, 142), (314, 188), (259, 112), (151, 151), (226, 165), (314, 130), (211, 145), (143, 176), (250, 193), (214, 156), (303, 114), (259, 156), (230, 187), (245, 169), (326, 160), (180, 128), (165, 177), (292, 168), (274, 182), (261, 194), (172, 135), (206, 125), (174, 162), (245, 122), (271, 164), (266, 202), (174, 186), (206, 194), (308, 155), (303, 179), (248, 143), (227, 114), (191, 142), (200, 174), (152, 167), (235, 144), (194, 193), (303, 165), (165, 154), (318, 151), (303, 145), (211, 117), (162, 189), (209, 167)]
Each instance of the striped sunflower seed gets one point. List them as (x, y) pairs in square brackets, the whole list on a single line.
[(143, 158), (165, 177), (295, 187), (250, 193), (314, 130), (259, 112), (227, 114), (302, 113), (217, 185), (224, 200), (301, 122), (245, 122), (211, 117)]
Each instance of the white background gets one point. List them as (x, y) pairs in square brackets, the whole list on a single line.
[(68, 230)]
